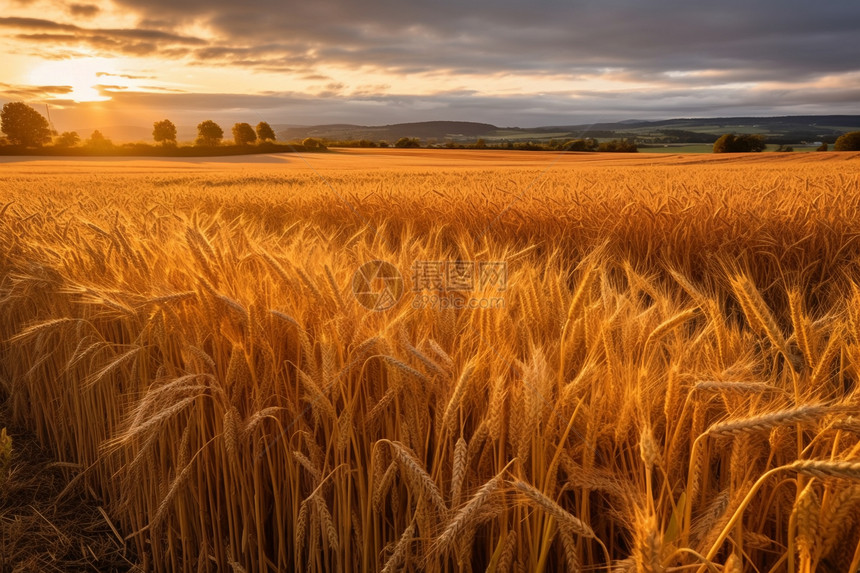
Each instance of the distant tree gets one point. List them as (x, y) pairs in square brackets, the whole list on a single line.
[(265, 132), (751, 143), (383, 144), (580, 145), (618, 145), (23, 125), (312, 143), (725, 143), (481, 144), (822, 147), (243, 134), (68, 139), (528, 146), (846, 142), (784, 148), (209, 133), (407, 142), (731, 143), (164, 132), (99, 141)]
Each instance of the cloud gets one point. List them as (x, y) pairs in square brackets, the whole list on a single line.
[(163, 89), (780, 38), (126, 76), (629, 58), (129, 41), (562, 108), (34, 24), (25, 92), (84, 10)]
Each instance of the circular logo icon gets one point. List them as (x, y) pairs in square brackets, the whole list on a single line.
[(377, 285)]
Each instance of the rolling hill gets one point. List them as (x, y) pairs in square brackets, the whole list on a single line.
[(785, 129)]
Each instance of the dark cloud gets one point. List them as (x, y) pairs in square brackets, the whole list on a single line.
[(84, 10), (130, 41), (24, 92), (151, 35), (553, 36), (34, 24)]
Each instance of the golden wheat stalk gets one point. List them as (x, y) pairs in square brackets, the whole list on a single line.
[(767, 421)]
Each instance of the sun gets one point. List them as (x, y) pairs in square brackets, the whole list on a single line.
[(80, 74)]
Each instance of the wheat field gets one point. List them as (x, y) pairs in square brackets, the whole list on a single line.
[(670, 385)]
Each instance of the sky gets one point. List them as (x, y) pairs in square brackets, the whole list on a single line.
[(505, 62)]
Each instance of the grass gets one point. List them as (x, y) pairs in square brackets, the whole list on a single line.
[(671, 382)]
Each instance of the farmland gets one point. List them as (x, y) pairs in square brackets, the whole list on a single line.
[(671, 380)]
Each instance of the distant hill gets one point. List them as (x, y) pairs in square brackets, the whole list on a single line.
[(776, 124), (783, 129), (424, 130)]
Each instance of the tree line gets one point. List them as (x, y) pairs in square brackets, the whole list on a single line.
[(25, 127), (745, 143), (623, 145), (210, 133)]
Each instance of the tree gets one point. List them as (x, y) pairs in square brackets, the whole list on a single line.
[(580, 145), (752, 143), (23, 125), (822, 147), (407, 142), (99, 141), (618, 145), (243, 134), (848, 142), (312, 143), (164, 132), (725, 143), (265, 132), (731, 143), (68, 139), (209, 133)]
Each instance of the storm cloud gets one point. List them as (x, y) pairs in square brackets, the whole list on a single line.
[(790, 38)]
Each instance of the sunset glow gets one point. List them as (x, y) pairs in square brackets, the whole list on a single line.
[(82, 75), (504, 62)]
